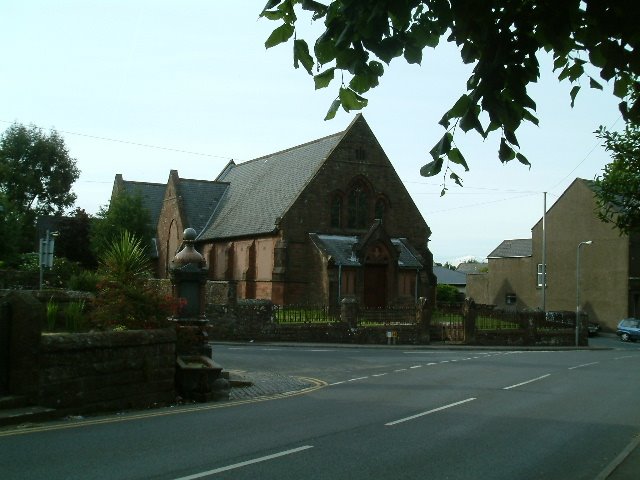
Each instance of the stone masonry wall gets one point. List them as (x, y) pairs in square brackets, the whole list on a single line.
[(86, 372)]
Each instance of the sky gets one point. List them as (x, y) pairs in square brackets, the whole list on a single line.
[(142, 87)]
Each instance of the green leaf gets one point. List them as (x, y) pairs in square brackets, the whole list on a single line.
[(301, 55), (573, 93), (272, 14), (523, 160), (455, 156), (442, 147), (470, 120), (351, 100), (594, 84), (333, 109), (456, 178), (621, 87), (432, 168), (270, 4), (511, 137), (279, 35), (318, 8), (323, 79), (505, 153), (412, 54)]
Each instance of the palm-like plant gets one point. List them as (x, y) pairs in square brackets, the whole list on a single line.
[(125, 260), (124, 298)]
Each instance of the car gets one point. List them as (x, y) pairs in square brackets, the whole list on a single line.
[(629, 329), (593, 328)]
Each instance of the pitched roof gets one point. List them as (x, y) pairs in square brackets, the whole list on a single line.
[(260, 191), (151, 194), (340, 248), (521, 247), (446, 276), (200, 198)]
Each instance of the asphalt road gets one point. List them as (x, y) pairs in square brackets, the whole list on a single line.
[(383, 413)]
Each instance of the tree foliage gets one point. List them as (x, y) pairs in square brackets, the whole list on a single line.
[(500, 37), (73, 241), (618, 189), (126, 212), (36, 171)]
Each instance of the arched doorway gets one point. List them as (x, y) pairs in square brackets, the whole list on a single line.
[(376, 268)]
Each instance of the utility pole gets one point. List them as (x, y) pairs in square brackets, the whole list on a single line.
[(544, 253)]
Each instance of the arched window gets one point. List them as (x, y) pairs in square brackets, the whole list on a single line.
[(336, 211), (358, 210)]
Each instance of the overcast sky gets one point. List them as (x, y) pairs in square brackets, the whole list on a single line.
[(142, 87)]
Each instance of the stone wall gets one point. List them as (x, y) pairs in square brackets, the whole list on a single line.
[(107, 370)]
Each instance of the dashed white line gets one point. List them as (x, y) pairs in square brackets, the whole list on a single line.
[(401, 370), (583, 365), (528, 381), (356, 379), (416, 366), (413, 417), (379, 374), (244, 464)]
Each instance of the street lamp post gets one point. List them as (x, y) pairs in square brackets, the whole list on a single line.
[(588, 242)]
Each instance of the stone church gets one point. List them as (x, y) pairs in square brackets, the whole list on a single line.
[(312, 224)]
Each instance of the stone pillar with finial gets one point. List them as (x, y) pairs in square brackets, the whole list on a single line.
[(198, 377)]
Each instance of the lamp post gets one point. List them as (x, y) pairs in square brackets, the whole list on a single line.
[(588, 242)]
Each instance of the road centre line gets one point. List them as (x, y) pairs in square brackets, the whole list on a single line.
[(244, 464), (528, 381), (416, 366), (379, 374), (356, 379), (622, 358), (413, 417), (583, 365), (401, 370)]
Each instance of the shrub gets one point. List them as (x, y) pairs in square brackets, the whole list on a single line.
[(124, 298), (84, 281), (74, 316), (52, 314)]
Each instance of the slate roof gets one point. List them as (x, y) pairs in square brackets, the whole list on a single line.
[(152, 195), (340, 249), (513, 249), (261, 191), (446, 276), (200, 199)]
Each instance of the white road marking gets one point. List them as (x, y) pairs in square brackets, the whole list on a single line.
[(416, 366), (528, 381), (432, 363), (401, 370), (356, 379), (622, 358), (379, 374), (583, 365), (413, 417), (244, 464), (319, 350), (337, 383)]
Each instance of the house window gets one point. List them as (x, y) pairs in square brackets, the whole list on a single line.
[(361, 154), (510, 299), (539, 276), (336, 211), (358, 206), (348, 286), (380, 208)]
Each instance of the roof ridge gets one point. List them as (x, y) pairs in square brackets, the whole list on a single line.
[(289, 149)]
